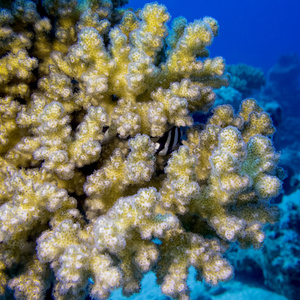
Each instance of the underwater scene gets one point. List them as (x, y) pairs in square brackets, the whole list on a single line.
[(149, 150)]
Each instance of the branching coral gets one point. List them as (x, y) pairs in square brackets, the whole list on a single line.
[(88, 92), (245, 78)]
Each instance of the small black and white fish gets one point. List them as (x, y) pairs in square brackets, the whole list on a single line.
[(164, 145), (169, 142)]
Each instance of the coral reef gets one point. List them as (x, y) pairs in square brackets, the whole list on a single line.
[(280, 98), (228, 95), (283, 81), (245, 81), (283, 77), (276, 265), (89, 92), (245, 78)]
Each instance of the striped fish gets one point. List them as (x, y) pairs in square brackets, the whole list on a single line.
[(164, 145), (169, 142)]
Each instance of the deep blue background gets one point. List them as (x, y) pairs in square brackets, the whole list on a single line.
[(255, 32)]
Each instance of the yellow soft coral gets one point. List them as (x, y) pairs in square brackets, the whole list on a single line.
[(237, 169), (88, 202), (54, 135), (86, 148)]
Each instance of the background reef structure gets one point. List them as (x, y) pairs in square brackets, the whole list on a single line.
[(87, 202)]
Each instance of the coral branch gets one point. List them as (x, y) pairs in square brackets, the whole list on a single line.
[(90, 94)]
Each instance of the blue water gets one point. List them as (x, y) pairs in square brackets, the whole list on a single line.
[(254, 32)]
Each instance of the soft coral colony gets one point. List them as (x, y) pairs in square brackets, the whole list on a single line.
[(88, 204)]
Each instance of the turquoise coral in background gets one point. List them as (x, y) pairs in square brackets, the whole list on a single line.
[(245, 78), (245, 81), (88, 91)]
